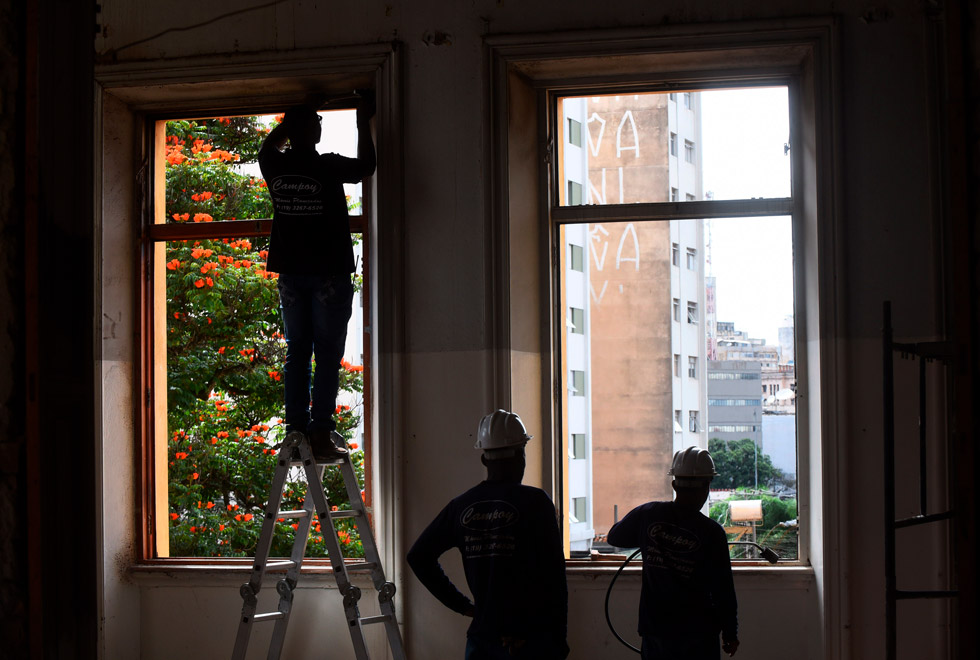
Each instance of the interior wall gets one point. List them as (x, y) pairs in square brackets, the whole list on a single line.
[(886, 250)]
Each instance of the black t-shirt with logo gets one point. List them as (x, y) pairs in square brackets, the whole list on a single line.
[(512, 554), (310, 228), (687, 572)]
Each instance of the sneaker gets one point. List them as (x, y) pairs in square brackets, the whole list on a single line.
[(327, 446)]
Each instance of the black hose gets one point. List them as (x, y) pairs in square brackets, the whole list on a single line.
[(767, 553), (609, 592)]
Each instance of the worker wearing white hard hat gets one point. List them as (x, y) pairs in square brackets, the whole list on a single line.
[(508, 536), (688, 595)]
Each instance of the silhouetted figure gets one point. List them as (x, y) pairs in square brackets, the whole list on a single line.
[(512, 554), (311, 250), (688, 595)]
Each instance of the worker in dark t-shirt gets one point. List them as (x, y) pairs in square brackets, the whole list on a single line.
[(512, 554), (311, 250), (688, 595)]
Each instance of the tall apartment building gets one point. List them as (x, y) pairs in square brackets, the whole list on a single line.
[(635, 350)]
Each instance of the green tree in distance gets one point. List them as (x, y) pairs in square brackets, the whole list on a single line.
[(735, 462)]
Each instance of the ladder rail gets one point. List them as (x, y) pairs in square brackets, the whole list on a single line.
[(316, 504), (938, 350)]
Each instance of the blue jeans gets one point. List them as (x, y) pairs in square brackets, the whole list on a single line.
[(315, 312), (681, 647), (533, 649)]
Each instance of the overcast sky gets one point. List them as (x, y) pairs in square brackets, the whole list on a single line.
[(742, 136)]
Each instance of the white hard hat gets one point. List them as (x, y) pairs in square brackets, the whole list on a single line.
[(693, 463), (501, 430)]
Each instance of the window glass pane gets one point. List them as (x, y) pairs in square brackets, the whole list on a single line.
[(659, 383), (577, 320), (224, 381), (578, 445), (218, 345), (212, 171), (733, 144)]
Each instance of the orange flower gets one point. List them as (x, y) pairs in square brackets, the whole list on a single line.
[(193, 529), (173, 265), (221, 351), (238, 517), (196, 253), (222, 434), (181, 455), (202, 217), (209, 281), (353, 445), (214, 441), (174, 516), (195, 475), (221, 528), (248, 516), (295, 526), (199, 283)]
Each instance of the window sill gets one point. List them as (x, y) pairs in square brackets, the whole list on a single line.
[(785, 573), (229, 573)]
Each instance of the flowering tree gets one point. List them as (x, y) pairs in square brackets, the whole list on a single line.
[(225, 355)]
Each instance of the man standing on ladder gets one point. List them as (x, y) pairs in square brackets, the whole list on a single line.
[(688, 595), (512, 554), (311, 249)]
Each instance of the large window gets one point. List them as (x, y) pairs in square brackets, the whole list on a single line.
[(737, 288), (216, 350)]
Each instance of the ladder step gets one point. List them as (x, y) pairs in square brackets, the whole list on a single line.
[(301, 513), (346, 513), (368, 620), (267, 616), (361, 566), (284, 565)]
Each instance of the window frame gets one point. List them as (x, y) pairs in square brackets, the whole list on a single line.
[(525, 71), (157, 232), (129, 99)]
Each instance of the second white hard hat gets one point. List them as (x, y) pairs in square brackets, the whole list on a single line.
[(693, 463), (501, 430)]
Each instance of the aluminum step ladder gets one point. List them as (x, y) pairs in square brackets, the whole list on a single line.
[(295, 451)]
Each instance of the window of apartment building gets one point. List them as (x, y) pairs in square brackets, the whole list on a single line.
[(673, 197), (673, 144), (574, 132), (576, 257), (692, 259), (676, 307), (692, 421), (688, 197), (577, 382), (692, 366), (677, 421), (672, 96), (687, 100), (688, 151), (677, 364), (576, 317), (692, 312), (574, 193), (578, 445), (579, 509), (675, 254), (215, 343)]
